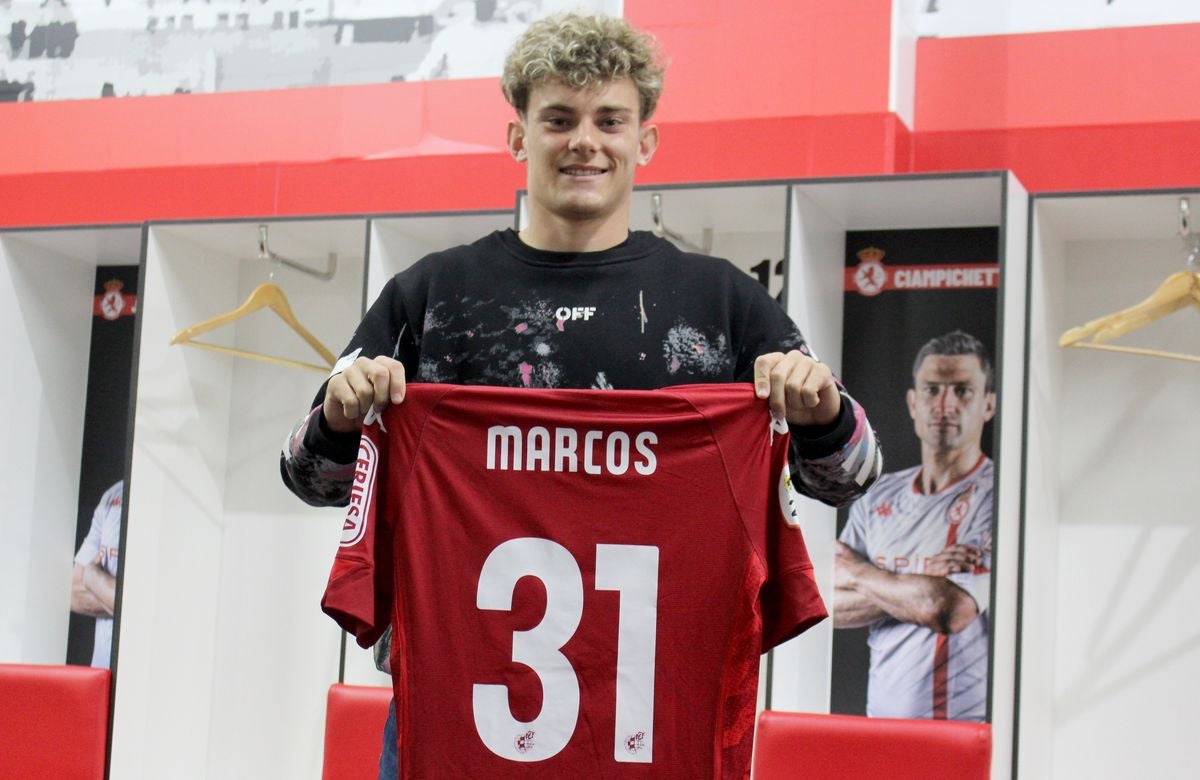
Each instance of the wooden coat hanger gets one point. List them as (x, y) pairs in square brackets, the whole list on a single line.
[(1178, 290), (266, 296)]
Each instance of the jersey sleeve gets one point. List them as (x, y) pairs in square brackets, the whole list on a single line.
[(755, 450), (358, 595), (790, 600), (318, 467), (836, 466)]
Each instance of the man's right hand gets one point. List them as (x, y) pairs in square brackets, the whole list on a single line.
[(364, 384)]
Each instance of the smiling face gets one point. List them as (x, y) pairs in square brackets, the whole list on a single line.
[(581, 148), (950, 403)]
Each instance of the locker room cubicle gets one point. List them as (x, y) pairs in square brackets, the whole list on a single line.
[(46, 288), (1108, 648), (223, 658)]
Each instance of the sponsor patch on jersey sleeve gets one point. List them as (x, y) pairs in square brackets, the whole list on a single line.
[(788, 500), (362, 492)]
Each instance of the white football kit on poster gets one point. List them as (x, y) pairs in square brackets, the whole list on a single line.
[(104, 539), (916, 672)]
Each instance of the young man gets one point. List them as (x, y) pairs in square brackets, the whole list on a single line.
[(490, 313), (914, 560)]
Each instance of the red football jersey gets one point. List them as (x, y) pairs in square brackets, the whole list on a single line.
[(580, 582)]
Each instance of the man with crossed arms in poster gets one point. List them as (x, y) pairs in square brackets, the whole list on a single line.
[(913, 562)]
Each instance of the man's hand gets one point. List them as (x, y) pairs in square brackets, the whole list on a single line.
[(364, 384), (797, 388), (956, 559)]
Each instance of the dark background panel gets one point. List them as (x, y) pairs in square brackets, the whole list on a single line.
[(882, 335), (106, 417)]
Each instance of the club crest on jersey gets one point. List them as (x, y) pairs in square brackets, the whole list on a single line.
[(524, 742), (362, 489), (635, 743), (960, 507), (788, 499)]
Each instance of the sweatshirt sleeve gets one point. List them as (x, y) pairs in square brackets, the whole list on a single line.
[(316, 463), (836, 464)]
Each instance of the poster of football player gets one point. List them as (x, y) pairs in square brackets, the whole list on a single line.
[(912, 563), (102, 468)]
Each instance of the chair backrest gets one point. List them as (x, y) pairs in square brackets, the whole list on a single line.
[(354, 718), (53, 721), (848, 747)]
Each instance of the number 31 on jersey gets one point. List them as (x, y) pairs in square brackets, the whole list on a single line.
[(632, 570)]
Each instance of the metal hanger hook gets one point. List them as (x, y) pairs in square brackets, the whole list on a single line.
[(1191, 241), (660, 229), (265, 253)]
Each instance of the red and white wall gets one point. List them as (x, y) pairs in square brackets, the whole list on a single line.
[(1067, 99), (755, 90)]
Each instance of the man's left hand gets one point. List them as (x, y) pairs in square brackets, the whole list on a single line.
[(797, 388)]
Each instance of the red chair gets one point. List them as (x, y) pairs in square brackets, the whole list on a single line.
[(53, 721), (354, 718), (791, 745)]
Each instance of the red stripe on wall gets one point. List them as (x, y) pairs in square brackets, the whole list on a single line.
[(1078, 77), (690, 152), (1141, 156), (302, 125), (781, 147), (1044, 160)]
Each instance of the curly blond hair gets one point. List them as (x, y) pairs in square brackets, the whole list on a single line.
[(583, 52)]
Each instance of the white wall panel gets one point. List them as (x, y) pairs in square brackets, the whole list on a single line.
[(225, 657), (1113, 627), (46, 318)]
